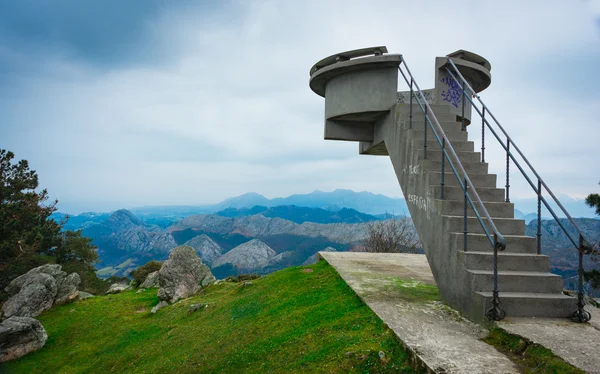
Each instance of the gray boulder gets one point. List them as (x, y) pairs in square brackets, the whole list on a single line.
[(39, 289), (151, 280), (19, 336), (182, 275), (117, 288), (34, 295), (67, 289)]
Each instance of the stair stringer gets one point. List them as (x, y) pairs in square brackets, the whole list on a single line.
[(448, 269)]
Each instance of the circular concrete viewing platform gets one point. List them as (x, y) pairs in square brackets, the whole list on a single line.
[(355, 87), (473, 67)]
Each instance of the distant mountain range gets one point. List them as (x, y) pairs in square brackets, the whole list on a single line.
[(124, 241), (301, 214), (293, 229), (365, 202)]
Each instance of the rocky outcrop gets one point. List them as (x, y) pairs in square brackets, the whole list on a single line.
[(315, 258), (151, 281), (252, 255), (182, 275), (257, 226), (19, 336), (39, 289), (67, 289), (117, 288), (206, 248)]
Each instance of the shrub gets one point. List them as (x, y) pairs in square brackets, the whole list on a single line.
[(139, 275)]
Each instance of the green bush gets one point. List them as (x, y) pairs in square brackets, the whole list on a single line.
[(139, 275)]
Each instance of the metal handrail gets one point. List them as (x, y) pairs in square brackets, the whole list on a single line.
[(582, 245), (498, 243)]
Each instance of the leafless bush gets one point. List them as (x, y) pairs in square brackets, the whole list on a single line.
[(392, 236)]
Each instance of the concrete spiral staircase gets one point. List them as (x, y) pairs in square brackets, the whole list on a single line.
[(359, 108)]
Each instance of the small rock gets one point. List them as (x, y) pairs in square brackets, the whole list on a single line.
[(140, 290), (247, 283), (117, 288), (159, 306), (19, 336), (84, 295), (381, 355), (196, 307)]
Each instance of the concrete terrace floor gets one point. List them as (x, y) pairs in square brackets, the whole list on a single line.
[(442, 339)]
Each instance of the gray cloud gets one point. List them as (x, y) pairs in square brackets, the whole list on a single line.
[(229, 111)]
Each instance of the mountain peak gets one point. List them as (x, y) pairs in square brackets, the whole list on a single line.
[(123, 219)]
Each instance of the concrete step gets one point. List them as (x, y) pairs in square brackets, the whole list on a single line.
[(495, 209), (433, 145), (480, 243), (478, 180), (436, 154), (470, 167), (516, 281), (419, 135), (530, 304), (456, 193), (506, 261), (506, 226)]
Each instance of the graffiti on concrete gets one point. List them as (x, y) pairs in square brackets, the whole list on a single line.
[(422, 203), (454, 92), (404, 97)]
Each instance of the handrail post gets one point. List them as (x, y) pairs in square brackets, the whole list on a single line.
[(464, 127), (465, 232), (495, 313), (483, 136), (425, 136), (443, 162), (507, 170), (539, 218), (410, 105), (581, 315)]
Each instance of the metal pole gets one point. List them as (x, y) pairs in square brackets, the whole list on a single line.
[(483, 136), (443, 162), (581, 315), (539, 219), (410, 105), (464, 127), (425, 140), (465, 232), (507, 171)]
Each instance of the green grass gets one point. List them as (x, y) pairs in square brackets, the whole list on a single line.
[(293, 320), (530, 357)]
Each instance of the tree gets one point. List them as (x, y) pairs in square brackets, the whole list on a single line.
[(396, 235), (29, 237), (25, 227), (74, 247), (593, 201), (593, 276)]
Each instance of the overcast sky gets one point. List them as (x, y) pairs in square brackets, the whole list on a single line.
[(128, 103)]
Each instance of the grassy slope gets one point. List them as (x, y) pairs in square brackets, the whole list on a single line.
[(291, 320)]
